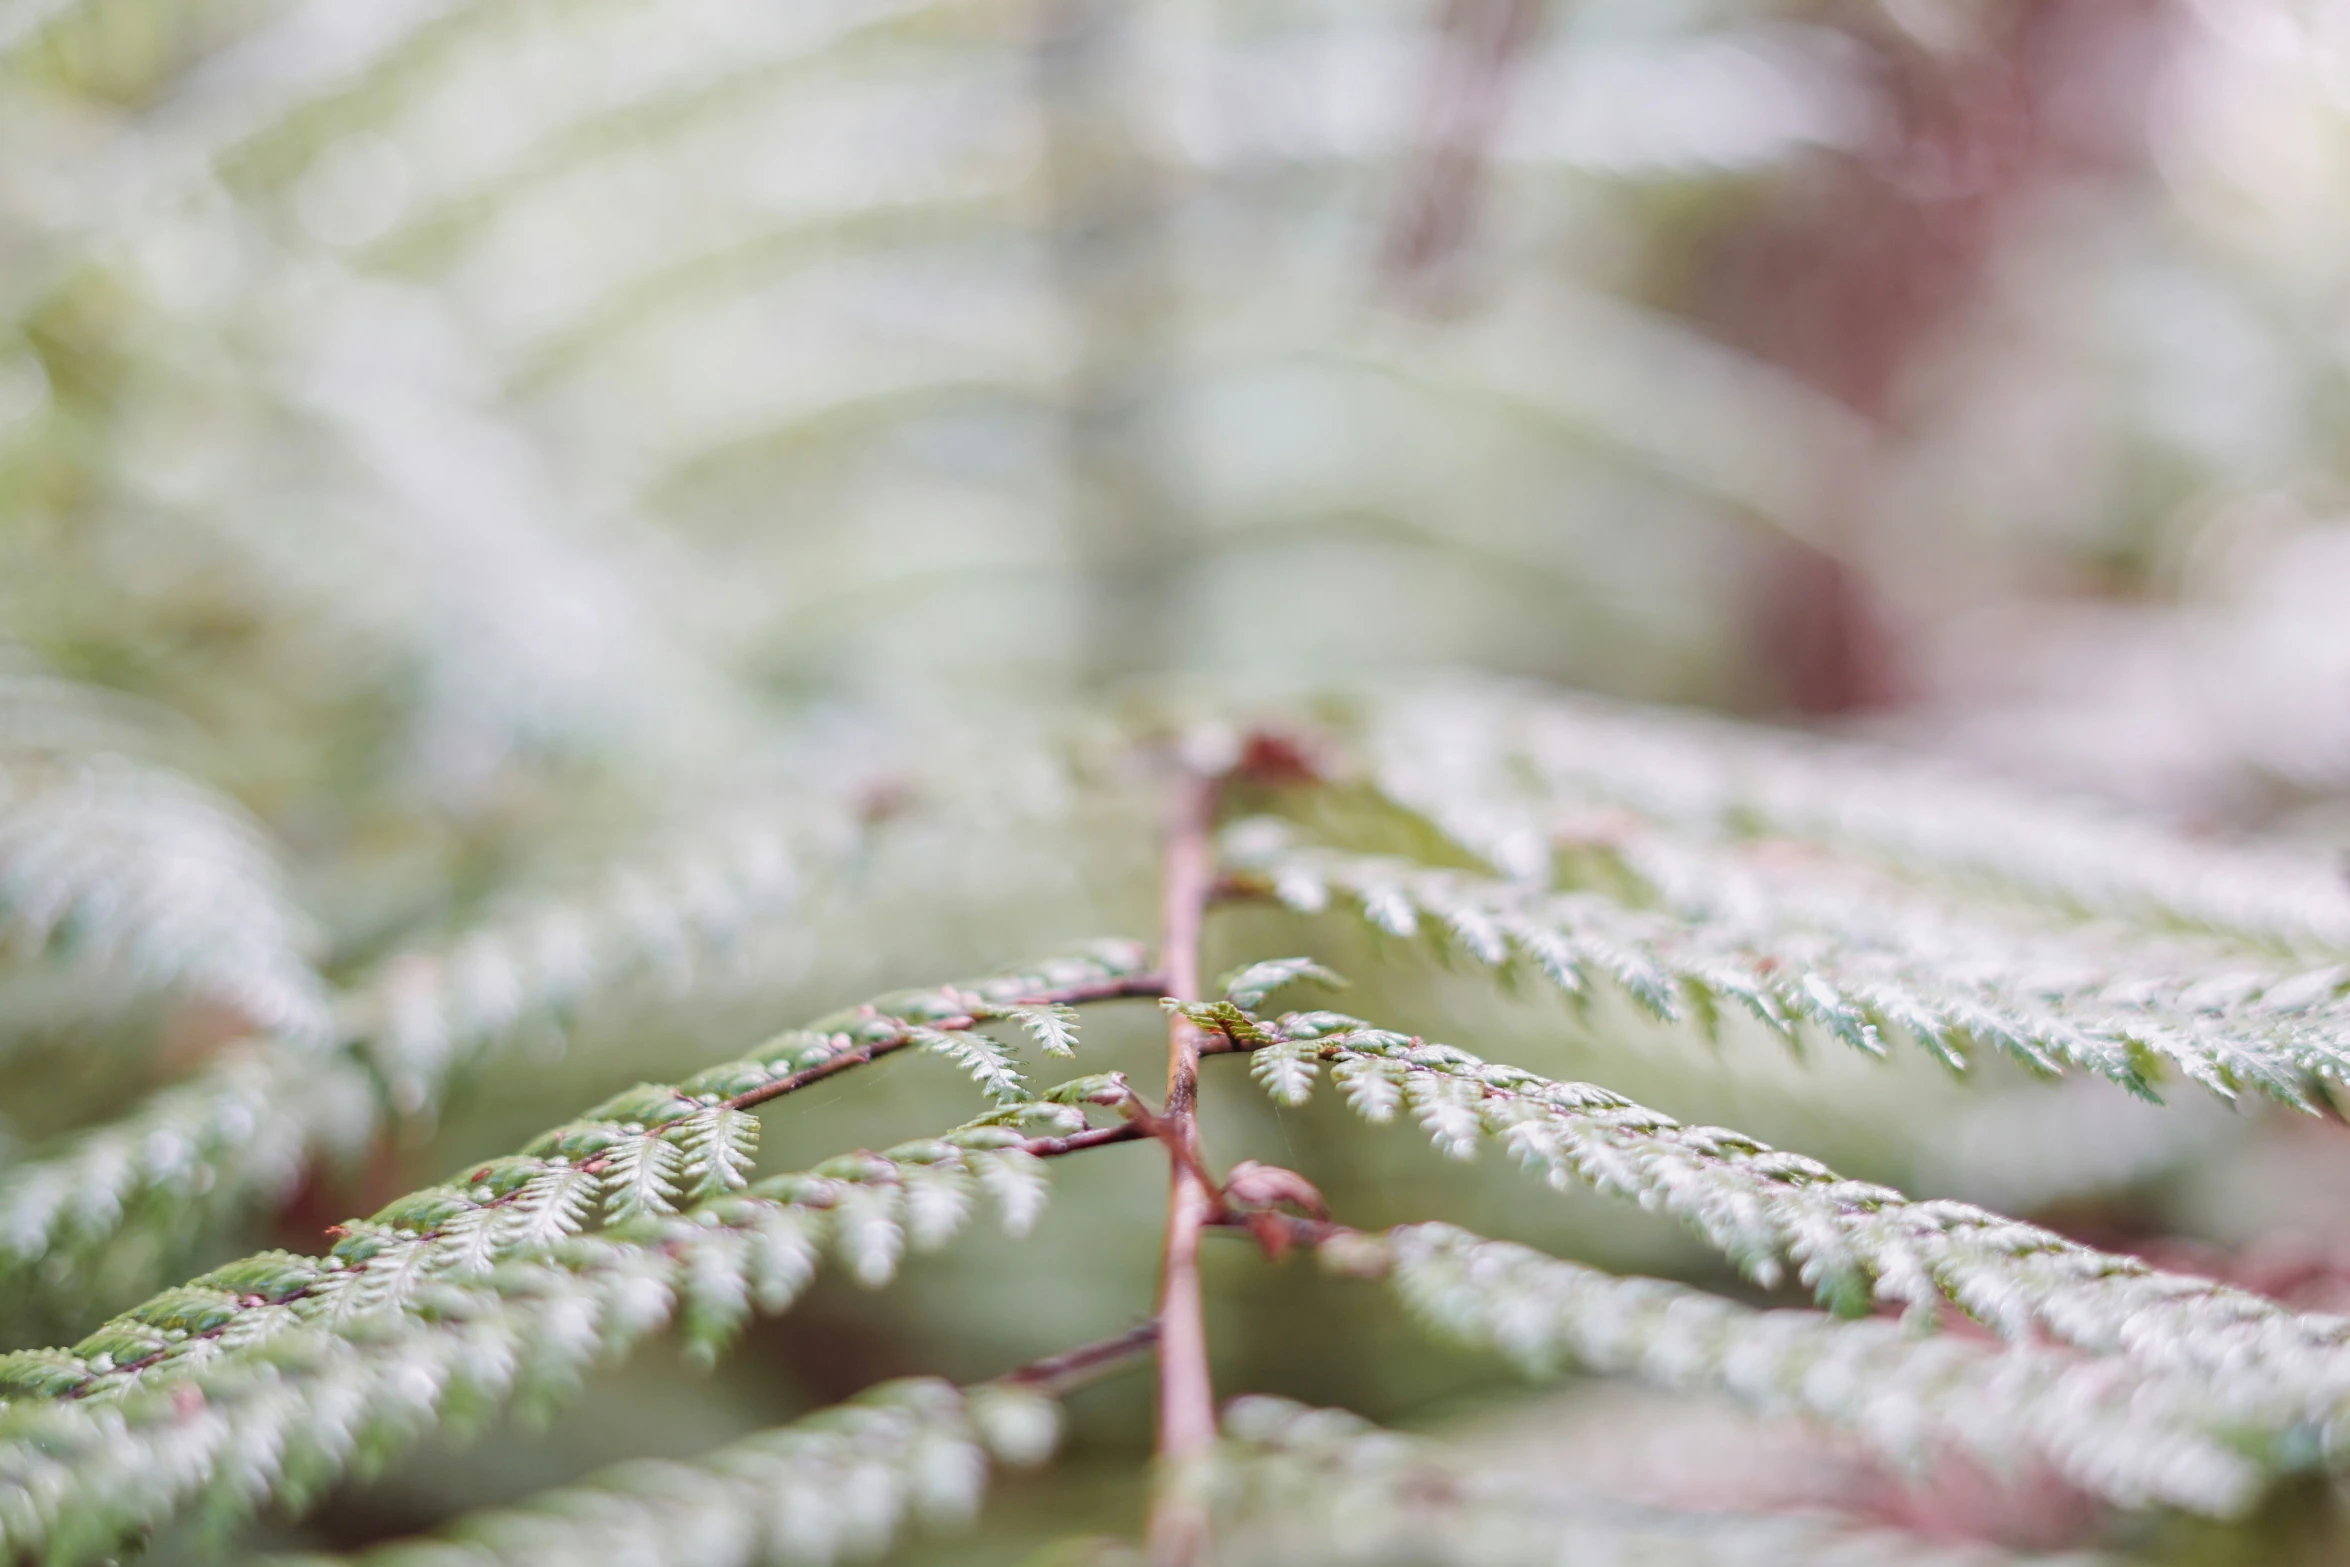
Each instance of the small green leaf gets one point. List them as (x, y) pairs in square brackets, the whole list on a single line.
[(989, 1064), (1054, 1027), (640, 1176), (1287, 1070), (718, 1144), (1248, 987)]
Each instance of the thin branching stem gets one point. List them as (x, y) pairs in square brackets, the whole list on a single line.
[(1077, 1142), (1130, 985), (1296, 1230), (1057, 1376), (1187, 1399)]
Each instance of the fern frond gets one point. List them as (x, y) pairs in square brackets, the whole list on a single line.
[(660, 918), (1852, 1242), (1052, 1028), (1370, 1088), (107, 1210), (555, 1203), (1859, 965), (118, 1203), (641, 1177), (2108, 1425), (702, 1114), (982, 1057), (1514, 773), (1248, 987), (1286, 1070), (841, 1484), (1014, 1180), (871, 1231), (719, 1144), (1293, 1483), (467, 1251), (135, 877), (937, 1201), (296, 1364)]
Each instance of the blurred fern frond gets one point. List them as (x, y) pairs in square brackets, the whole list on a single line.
[(118, 1204), (488, 1290), (838, 1485), (136, 879), (1810, 948), (499, 1290), (940, 477), (1853, 1243), (1295, 1478), (1516, 776)]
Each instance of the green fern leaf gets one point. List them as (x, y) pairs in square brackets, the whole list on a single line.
[(1015, 1180), (554, 1203), (938, 1198), (719, 1144), (136, 879), (1053, 1028), (1248, 987), (474, 1295), (1372, 1086), (641, 1175), (2115, 1429), (844, 1482), (2050, 998), (985, 1060), (1850, 1241), (1286, 1070), (869, 1232)]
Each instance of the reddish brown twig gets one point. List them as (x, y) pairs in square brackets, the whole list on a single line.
[(1187, 1399), (1130, 985), (1056, 1376), (1477, 49), (1076, 1142), (1179, 1139)]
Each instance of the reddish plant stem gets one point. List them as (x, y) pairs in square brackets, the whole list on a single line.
[(1477, 51), (1187, 1399), (1071, 995), (1299, 1231), (1076, 1142), (1058, 1375)]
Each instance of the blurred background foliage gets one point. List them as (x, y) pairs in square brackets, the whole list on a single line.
[(451, 446)]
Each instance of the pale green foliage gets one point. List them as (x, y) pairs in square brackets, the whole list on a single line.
[(1712, 928), (110, 1207), (664, 918), (462, 1298), (237, 1133), (134, 878), (499, 429), (983, 1057), (2247, 1364), (1053, 1028), (1520, 775), (303, 1367), (839, 1485), (1250, 986), (1295, 1483), (263, 1383), (2107, 1424)]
